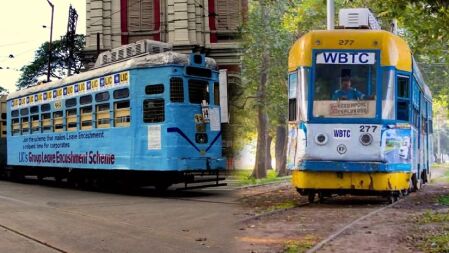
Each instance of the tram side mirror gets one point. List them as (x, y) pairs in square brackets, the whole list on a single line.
[(223, 83)]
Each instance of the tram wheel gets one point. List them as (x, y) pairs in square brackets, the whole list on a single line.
[(162, 187), (393, 197), (321, 197), (311, 197)]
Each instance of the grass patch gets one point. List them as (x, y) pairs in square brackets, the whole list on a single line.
[(297, 246), (433, 217), (444, 200), (244, 178), (437, 243)]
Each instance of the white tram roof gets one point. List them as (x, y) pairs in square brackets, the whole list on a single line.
[(142, 61)]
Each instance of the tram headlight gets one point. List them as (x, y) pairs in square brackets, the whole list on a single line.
[(321, 139), (201, 138), (366, 139)]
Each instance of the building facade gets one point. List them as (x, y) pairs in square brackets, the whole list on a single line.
[(209, 25)]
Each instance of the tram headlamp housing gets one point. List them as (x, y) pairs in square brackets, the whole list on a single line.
[(366, 139), (201, 138), (321, 139)]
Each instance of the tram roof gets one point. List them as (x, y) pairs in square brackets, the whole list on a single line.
[(394, 50), (147, 60)]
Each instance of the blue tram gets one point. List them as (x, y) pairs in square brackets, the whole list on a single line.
[(360, 115), (152, 118)]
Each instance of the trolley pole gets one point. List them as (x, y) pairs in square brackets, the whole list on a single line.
[(330, 14), (51, 38)]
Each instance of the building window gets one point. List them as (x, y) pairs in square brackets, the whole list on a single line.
[(228, 18), (154, 89), (153, 110), (140, 15), (176, 89), (198, 91)]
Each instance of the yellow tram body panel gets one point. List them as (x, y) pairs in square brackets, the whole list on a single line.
[(394, 50), (394, 181)]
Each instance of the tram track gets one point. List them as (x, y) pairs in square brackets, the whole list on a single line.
[(33, 239)]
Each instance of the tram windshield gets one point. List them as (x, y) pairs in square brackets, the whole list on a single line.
[(345, 90)]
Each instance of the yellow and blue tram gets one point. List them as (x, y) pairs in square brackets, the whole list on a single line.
[(152, 118), (360, 115)]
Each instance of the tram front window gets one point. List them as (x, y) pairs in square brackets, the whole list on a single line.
[(345, 91)]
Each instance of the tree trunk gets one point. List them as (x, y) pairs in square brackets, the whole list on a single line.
[(269, 141), (281, 150), (260, 167)]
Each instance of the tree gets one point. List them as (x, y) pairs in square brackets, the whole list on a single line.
[(59, 64), (264, 78)]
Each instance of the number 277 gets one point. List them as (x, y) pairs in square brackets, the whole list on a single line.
[(345, 42)]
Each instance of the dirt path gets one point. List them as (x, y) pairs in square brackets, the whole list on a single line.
[(276, 220)]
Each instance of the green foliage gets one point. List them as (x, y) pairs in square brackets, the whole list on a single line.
[(244, 178), (444, 200), (60, 54), (434, 217), (438, 243)]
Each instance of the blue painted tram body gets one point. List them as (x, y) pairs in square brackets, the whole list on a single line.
[(154, 117)]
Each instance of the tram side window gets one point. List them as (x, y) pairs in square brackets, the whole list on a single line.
[(198, 91), (292, 85), (216, 93), (46, 122), (45, 107), (71, 119), (25, 120), (15, 113), (403, 100), (86, 117), (70, 102), (122, 117), (122, 93), (153, 110), (176, 90), (102, 96), (58, 121), (15, 124), (35, 123), (154, 89), (84, 100), (103, 115)]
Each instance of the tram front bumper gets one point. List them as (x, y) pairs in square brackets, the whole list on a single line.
[(372, 181)]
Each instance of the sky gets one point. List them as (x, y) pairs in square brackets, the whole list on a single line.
[(22, 32)]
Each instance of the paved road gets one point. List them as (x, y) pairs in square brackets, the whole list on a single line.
[(38, 218)]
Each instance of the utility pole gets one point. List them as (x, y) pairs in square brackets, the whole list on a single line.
[(330, 14), (70, 36), (51, 38)]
